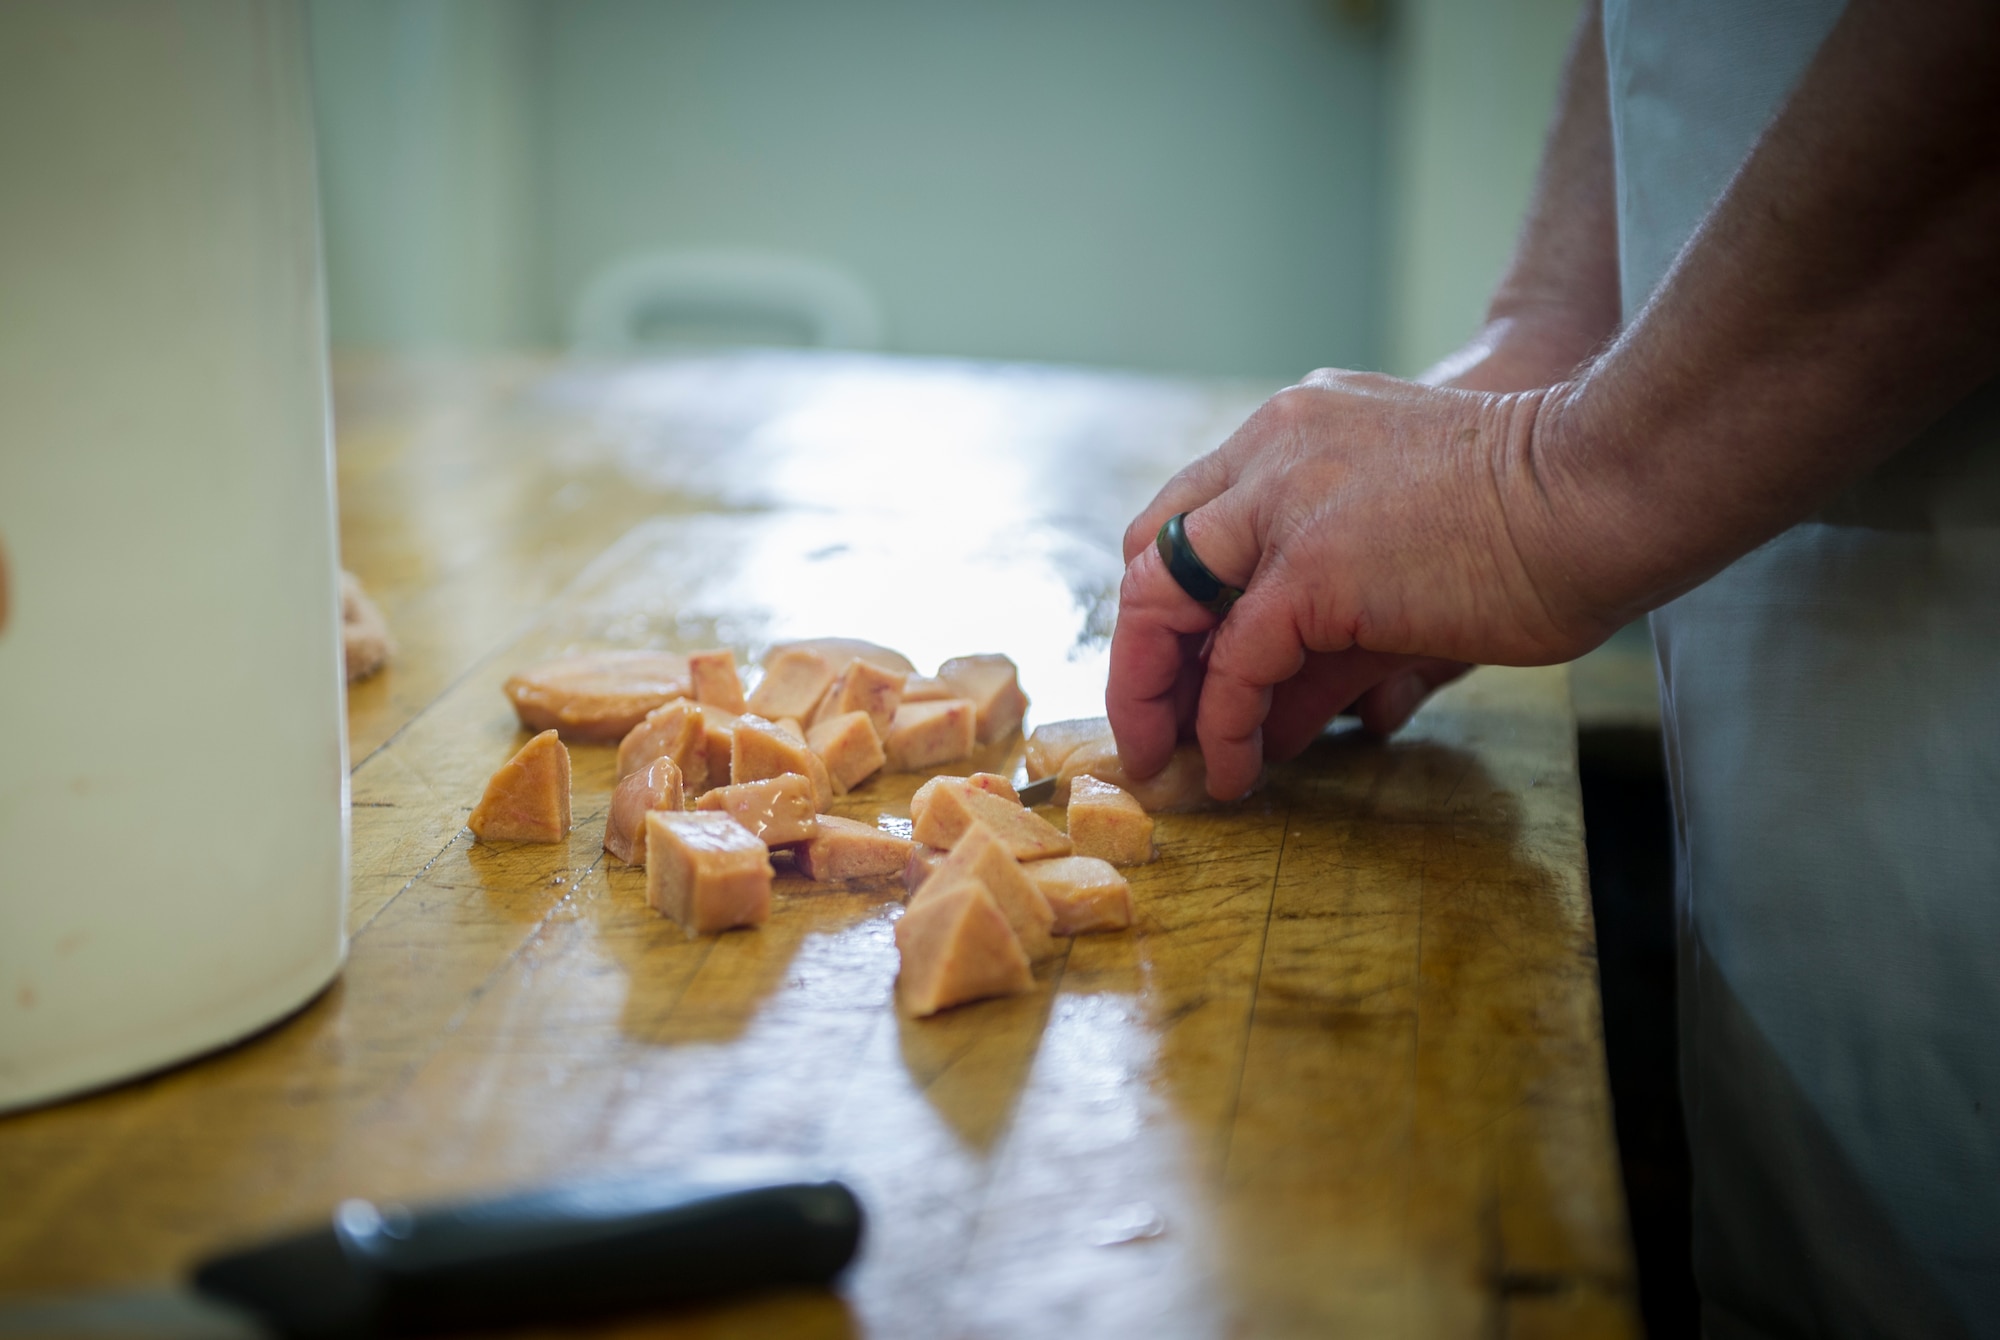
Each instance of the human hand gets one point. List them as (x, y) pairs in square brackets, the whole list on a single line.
[(1385, 534)]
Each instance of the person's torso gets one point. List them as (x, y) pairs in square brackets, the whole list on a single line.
[(1831, 705)]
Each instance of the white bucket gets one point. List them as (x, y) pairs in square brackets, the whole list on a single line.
[(173, 771)]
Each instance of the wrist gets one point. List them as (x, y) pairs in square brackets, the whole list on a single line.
[(1518, 349), (1576, 533)]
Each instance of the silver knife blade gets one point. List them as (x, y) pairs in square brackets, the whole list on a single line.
[(1038, 792), (143, 1314)]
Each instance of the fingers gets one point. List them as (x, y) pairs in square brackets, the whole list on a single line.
[(1154, 664), (1385, 707), (1257, 647), (1198, 483), (1327, 683)]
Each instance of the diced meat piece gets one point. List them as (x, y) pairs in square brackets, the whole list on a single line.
[(793, 684), (993, 784), (956, 948), (822, 780), (706, 871), (863, 687), (760, 749), (712, 679), (675, 731), (779, 810), (923, 735), (920, 802), (657, 786), (925, 689), (980, 855), (599, 696), (946, 808), (719, 727), (849, 747), (1054, 741), (1108, 823), (364, 633), (923, 863), (1085, 893), (992, 683), (849, 849), (840, 650), (527, 800), (1181, 785)]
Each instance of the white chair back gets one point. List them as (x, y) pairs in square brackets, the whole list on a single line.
[(679, 299)]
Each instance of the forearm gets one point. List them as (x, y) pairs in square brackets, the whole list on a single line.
[(1557, 303), (1842, 294)]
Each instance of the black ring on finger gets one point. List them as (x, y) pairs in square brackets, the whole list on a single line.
[(1190, 573)]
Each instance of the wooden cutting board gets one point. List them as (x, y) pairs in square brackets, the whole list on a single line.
[(1344, 1075)]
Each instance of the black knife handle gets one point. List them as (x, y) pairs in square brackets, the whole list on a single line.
[(571, 1252)]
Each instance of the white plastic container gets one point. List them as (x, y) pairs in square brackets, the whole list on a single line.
[(173, 772)]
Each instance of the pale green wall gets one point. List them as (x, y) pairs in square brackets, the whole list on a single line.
[(1475, 83), (1187, 185), (429, 158), (1152, 183), (1223, 186)]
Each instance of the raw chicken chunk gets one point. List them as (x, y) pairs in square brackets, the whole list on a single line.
[(364, 633), (719, 732), (779, 810), (706, 871), (1181, 785), (675, 731), (793, 683), (657, 786), (1054, 741), (840, 650), (849, 747), (923, 863), (1067, 749), (760, 749), (712, 679), (956, 948), (1108, 823), (926, 734), (527, 800), (1085, 893), (980, 855), (944, 809), (863, 687), (599, 696), (990, 782), (822, 782), (992, 684), (849, 849), (993, 784), (925, 689)]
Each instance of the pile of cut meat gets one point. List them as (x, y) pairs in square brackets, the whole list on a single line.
[(713, 781)]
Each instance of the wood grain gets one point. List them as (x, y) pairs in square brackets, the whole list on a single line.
[(1345, 1073)]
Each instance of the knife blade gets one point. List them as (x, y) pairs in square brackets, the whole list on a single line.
[(578, 1251), (1039, 791)]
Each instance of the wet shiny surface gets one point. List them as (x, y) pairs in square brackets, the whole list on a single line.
[(1344, 1072)]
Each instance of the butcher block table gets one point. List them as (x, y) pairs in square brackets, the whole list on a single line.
[(1343, 1076)]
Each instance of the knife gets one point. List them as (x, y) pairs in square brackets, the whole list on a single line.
[(579, 1251), (1039, 791)]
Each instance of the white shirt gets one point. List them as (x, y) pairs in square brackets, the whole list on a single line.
[(1832, 714)]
